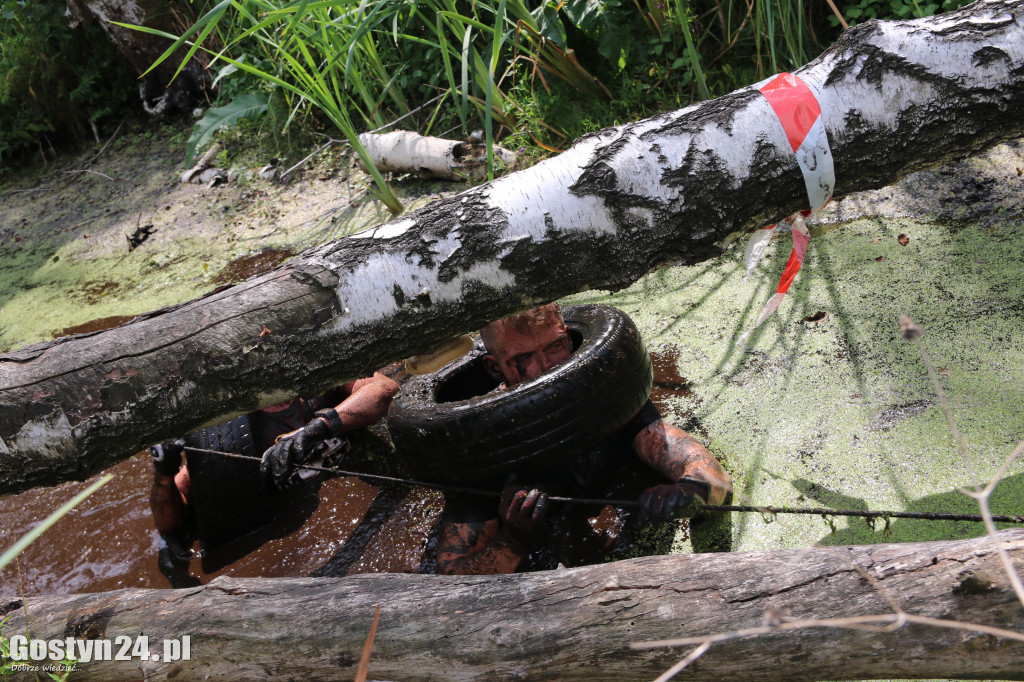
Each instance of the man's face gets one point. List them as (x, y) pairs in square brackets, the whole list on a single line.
[(521, 357)]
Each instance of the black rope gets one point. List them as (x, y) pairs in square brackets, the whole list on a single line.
[(815, 511)]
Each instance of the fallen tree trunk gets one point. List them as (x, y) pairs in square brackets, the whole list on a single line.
[(162, 90), (894, 96), (575, 624)]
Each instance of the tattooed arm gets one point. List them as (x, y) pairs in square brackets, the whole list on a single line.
[(474, 548), (673, 452)]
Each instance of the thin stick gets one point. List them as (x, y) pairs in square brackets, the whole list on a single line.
[(104, 147), (364, 661), (409, 113), (910, 330), (331, 141), (86, 170), (681, 665), (84, 222), (44, 188), (886, 622)]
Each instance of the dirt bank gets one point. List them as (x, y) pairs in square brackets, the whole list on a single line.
[(65, 256)]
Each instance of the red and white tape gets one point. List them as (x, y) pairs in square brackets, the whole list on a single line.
[(797, 110)]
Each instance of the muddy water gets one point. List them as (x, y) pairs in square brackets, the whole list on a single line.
[(244, 267), (109, 542), (336, 526)]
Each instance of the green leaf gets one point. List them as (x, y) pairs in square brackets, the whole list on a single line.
[(226, 71), (53, 518), (549, 24), (249, 106)]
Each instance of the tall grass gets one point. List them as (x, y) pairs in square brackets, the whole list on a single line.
[(365, 62)]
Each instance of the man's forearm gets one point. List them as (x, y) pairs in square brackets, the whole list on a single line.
[(475, 548), (496, 558), (674, 453), (368, 403)]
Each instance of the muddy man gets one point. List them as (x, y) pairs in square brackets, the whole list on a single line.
[(477, 538), (286, 434)]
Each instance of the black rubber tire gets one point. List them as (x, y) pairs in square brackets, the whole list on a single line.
[(447, 430), (229, 496)]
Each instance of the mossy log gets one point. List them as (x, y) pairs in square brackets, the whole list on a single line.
[(895, 97), (576, 624)]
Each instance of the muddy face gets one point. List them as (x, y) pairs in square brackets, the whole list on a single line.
[(521, 357)]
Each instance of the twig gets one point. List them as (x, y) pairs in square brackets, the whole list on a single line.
[(409, 113), (44, 188), (839, 15), (104, 147), (84, 222), (693, 656), (327, 144), (86, 170), (910, 330), (982, 498), (364, 661)]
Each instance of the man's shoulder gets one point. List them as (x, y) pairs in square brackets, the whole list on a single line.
[(647, 415)]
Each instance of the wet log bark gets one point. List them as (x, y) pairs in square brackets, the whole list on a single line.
[(895, 97), (159, 94), (575, 624)]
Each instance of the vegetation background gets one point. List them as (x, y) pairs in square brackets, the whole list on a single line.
[(536, 74)]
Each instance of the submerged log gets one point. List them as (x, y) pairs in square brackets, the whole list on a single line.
[(895, 97), (575, 624)]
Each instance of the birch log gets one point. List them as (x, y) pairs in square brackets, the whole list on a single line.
[(895, 97), (575, 624)]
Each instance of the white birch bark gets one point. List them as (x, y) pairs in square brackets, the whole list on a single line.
[(403, 151), (895, 97)]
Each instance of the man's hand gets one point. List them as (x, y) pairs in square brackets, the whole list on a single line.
[(167, 456), (522, 512), (295, 448), (679, 500)]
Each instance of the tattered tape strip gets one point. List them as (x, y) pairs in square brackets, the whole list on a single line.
[(801, 237), (799, 113)]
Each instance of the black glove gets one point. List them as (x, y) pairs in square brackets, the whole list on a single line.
[(173, 557), (680, 500), (167, 456), (296, 447), (522, 512)]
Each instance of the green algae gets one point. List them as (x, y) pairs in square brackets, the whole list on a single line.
[(841, 413), (837, 413), (65, 258)]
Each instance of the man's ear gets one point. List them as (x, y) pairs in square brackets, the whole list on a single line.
[(492, 367)]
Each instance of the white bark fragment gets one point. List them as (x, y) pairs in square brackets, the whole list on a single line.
[(402, 151), (395, 228), (50, 438)]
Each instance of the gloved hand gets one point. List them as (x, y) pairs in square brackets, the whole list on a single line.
[(679, 500), (173, 557), (167, 456), (295, 448), (522, 512)]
